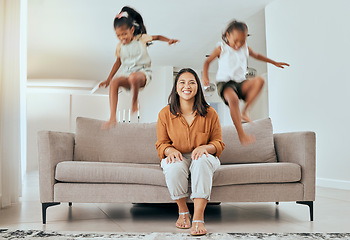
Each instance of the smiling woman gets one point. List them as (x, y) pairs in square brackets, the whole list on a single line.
[(187, 87), (189, 141)]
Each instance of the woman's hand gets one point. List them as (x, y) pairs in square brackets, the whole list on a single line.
[(173, 155), (104, 84), (198, 152)]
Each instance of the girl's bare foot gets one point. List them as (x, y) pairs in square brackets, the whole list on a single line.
[(183, 221), (246, 139), (109, 124), (198, 228), (134, 107), (245, 117)]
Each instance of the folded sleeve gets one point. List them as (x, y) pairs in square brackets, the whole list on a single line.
[(215, 135), (163, 140)]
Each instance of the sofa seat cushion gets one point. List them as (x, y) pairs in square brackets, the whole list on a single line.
[(106, 172), (257, 173), (152, 174)]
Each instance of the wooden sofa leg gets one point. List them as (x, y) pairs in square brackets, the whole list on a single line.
[(45, 206), (311, 207)]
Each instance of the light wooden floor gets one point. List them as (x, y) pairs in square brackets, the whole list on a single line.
[(331, 213)]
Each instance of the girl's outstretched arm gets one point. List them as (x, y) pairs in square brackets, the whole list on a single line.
[(112, 73), (216, 53), (164, 39), (260, 57)]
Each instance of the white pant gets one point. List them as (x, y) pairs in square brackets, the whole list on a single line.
[(202, 171)]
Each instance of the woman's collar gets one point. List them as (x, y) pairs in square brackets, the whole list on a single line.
[(180, 114)]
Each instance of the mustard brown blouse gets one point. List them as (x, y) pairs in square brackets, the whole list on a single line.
[(174, 131)]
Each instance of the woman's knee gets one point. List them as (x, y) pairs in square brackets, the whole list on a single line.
[(202, 160), (175, 170), (209, 162)]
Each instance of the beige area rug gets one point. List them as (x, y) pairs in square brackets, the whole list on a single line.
[(50, 235)]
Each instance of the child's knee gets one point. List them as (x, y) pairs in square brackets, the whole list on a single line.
[(132, 78), (114, 83), (135, 78), (232, 99), (260, 81)]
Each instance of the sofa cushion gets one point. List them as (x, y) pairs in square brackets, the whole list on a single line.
[(125, 143), (106, 172), (263, 150), (257, 173), (152, 174)]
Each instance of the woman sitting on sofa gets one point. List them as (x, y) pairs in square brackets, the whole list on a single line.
[(189, 141)]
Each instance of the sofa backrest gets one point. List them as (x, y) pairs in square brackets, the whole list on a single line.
[(135, 143), (263, 150), (125, 143)]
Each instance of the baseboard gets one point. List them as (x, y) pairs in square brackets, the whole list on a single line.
[(331, 183)]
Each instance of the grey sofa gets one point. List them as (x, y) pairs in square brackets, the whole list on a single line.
[(121, 165)]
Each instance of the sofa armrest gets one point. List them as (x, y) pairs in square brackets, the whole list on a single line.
[(54, 147), (299, 148)]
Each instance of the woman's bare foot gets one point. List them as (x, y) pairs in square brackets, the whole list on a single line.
[(182, 222), (198, 228), (109, 124), (245, 117), (246, 139)]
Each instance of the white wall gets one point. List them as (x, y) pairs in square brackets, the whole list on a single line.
[(45, 111), (257, 41), (154, 96), (64, 34), (88, 106), (313, 94), (58, 111)]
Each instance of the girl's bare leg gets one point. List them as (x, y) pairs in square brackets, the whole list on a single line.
[(136, 81), (199, 207), (251, 89), (233, 103), (182, 205), (113, 99)]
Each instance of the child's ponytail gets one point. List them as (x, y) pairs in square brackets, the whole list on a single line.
[(137, 20), (131, 18)]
